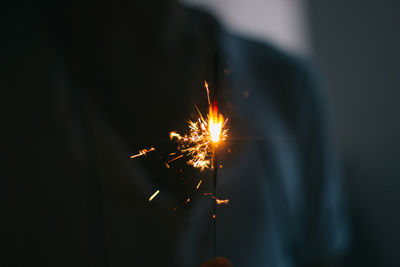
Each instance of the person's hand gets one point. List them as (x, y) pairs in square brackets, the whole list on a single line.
[(217, 262)]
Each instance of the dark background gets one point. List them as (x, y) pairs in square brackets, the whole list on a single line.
[(356, 46)]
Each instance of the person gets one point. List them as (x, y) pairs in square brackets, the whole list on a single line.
[(88, 84)]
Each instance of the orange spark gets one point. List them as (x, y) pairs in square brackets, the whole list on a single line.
[(208, 92), (178, 157), (143, 152), (221, 201), (154, 195), (198, 185)]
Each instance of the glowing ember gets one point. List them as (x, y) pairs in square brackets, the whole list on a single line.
[(217, 200), (221, 201), (143, 152), (178, 157), (154, 195), (198, 185), (203, 135), (208, 92)]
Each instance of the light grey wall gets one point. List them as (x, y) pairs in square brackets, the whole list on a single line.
[(281, 22), (357, 46)]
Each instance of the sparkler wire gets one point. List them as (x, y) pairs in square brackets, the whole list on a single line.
[(215, 176)]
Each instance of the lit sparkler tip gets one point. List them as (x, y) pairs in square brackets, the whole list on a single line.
[(154, 195), (215, 123), (204, 133)]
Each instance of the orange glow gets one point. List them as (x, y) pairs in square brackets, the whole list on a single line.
[(203, 135), (215, 123)]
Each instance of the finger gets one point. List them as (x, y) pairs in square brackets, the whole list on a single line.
[(217, 262)]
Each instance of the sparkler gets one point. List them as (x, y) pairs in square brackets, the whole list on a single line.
[(201, 142), (201, 145)]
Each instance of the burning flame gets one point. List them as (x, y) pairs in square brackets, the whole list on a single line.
[(203, 135), (215, 123)]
